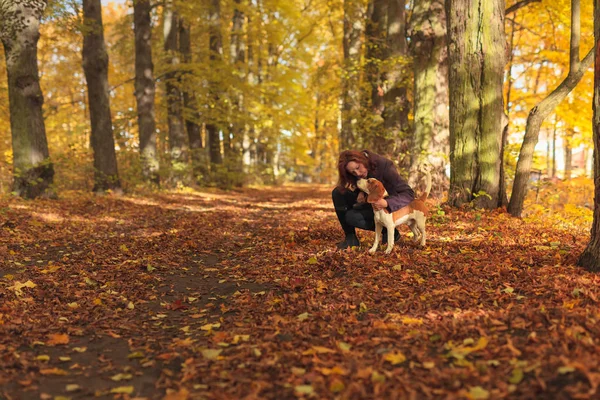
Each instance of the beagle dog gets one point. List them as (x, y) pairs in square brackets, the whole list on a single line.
[(414, 214)]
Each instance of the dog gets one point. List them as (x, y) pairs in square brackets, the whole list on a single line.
[(414, 214)]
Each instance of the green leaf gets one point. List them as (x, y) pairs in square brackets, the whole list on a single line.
[(516, 377), (479, 393), (304, 389)]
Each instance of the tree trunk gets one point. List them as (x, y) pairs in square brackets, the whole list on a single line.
[(476, 51), (353, 28), (590, 258), (216, 51), (177, 145), (237, 53), (538, 114), (191, 115), (568, 160), (33, 173), (145, 90), (428, 35), (397, 105), (95, 66)]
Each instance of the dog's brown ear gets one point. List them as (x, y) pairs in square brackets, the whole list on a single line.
[(376, 191)]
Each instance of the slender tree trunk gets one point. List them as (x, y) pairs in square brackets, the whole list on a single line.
[(237, 54), (353, 29), (33, 172), (590, 258), (95, 66), (177, 144), (427, 33), (538, 114), (216, 51), (554, 148), (568, 160), (397, 105), (476, 51), (145, 90), (191, 114)]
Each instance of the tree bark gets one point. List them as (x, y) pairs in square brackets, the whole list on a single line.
[(216, 52), (397, 105), (95, 66), (191, 115), (538, 114), (476, 51), (33, 172), (145, 90), (354, 14), (177, 143), (428, 39), (590, 258)]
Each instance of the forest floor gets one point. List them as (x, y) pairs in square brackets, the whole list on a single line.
[(241, 294)]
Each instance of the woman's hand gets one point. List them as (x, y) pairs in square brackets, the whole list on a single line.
[(380, 204)]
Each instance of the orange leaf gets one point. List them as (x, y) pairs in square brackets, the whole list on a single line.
[(57, 338)]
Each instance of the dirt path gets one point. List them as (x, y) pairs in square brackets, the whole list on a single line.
[(241, 295)]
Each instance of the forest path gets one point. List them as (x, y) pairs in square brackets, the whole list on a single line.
[(242, 295)]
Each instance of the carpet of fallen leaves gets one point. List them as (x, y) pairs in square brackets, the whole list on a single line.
[(242, 295)]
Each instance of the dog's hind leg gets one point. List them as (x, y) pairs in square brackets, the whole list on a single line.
[(420, 222), (378, 229), (413, 227)]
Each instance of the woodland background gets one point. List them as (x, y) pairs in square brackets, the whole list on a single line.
[(166, 230), (283, 87)]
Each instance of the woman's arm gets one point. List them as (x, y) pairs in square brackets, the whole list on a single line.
[(400, 193)]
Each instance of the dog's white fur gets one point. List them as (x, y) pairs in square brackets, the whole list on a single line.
[(414, 214)]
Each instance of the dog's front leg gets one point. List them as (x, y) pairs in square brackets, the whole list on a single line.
[(390, 238), (378, 229)]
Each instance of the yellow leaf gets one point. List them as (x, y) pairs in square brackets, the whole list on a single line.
[(240, 338), (64, 359), (312, 260), (72, 387), (80, 349), (304, 389), (123, 248), (136, 354), (412, 321), (345, 347), (43, 358), (478, 393), (211, 354), (303, 316), (394, 357), (122, 390), (121, 377), (18, 286), (336, 386)]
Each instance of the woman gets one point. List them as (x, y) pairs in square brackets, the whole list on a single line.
[(350, 205)]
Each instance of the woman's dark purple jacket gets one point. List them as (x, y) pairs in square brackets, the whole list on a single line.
[(385, 171)]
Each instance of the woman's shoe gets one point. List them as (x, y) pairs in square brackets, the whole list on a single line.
[(350, 241)]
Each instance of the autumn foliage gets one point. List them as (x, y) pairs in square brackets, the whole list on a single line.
[(241, 295)]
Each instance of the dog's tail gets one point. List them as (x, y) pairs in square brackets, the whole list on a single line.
[(425, 194)]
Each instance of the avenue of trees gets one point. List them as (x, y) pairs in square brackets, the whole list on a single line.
[(176, 93)]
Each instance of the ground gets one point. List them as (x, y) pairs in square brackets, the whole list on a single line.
[(242, 294)]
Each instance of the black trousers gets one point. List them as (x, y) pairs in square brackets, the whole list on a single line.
[(350, 213)]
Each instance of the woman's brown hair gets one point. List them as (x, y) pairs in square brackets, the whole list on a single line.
[(345, 178)]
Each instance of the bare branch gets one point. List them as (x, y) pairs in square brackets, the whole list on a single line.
[(520, 4)]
